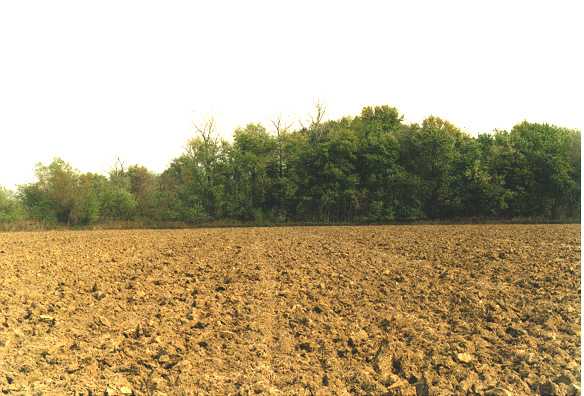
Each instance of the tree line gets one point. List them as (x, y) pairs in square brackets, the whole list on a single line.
[(371, 168)]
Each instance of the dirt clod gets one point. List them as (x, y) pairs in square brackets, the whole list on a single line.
[(47, 319), (98, 295), (464, 357), (498, 392)]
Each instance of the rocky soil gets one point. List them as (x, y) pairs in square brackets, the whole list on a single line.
[(399, 310)]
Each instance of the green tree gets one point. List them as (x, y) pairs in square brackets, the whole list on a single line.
[(91, 190), (377, 164), (117, 204), (144, 186), (325, 173), (193, 187), (255, 167), (430, 152), (545, 183), (52, 197), (10, 208)]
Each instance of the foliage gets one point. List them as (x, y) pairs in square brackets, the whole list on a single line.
[(369, 168), (10, 207)]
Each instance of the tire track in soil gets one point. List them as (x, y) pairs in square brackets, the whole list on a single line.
[(261, 298), (239, 321)]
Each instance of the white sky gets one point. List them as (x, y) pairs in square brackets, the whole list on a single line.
[(90, 81)]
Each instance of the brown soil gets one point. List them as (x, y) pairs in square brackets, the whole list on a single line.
[(400, 310)]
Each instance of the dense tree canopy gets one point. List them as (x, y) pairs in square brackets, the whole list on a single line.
[(368, 168)]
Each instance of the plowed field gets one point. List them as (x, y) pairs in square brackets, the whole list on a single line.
[(396, 310)]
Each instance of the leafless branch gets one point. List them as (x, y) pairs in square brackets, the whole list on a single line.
[(206, 129), (319, 113), (280, 127), (316, 118)]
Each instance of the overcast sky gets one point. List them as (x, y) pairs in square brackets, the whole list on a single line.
[(91, 81)]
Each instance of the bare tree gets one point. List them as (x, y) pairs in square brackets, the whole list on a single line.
[(281, 129), (319, 113), (205, 151), (119, 166), (118, 171), (315, 119), (206, 130)]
